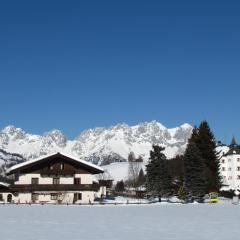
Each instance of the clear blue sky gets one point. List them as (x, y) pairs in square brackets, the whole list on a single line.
[(74, 65)]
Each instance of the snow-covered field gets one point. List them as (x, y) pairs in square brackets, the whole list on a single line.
[(159, 221)]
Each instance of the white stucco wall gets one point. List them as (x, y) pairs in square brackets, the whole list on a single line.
[(230, 171), (85, 178), (64, 197), (27, 179), (102, 191), (45, 197)]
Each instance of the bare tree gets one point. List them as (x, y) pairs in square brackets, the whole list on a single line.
[(131, 157), (134, 168)]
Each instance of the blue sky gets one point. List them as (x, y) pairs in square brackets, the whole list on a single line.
[(73, 65)]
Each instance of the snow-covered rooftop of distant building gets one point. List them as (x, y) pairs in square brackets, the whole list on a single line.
[(4, 184)]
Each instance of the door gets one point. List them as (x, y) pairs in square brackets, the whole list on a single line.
[(75, 198), (9, 198)]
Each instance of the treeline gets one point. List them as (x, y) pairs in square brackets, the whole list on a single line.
[(190, 176)]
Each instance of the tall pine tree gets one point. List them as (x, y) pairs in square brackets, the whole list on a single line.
[(158, 180), (194, 176), (207, 146)]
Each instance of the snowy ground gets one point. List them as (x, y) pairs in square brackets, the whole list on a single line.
[(142, 222)]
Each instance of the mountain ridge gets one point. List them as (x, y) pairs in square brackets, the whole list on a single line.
[(100, 145)]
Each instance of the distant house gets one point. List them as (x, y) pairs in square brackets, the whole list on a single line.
[(230, 167), (56, 178)]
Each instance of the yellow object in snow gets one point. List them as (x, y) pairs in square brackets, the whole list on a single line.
[(213, 197)]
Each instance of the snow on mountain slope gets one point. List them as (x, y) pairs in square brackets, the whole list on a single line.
[(7, 160), (119, 171), (100, 145)]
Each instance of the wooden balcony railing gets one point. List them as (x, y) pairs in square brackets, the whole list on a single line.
[(53, 187)]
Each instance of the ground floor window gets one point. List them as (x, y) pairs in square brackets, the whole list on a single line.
[(54, 196), (77, 196), (34, 197), (1, 197)]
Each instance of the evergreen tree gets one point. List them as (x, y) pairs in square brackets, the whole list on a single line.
[(158, 180), (181, 193), (176, 169), (194, 177), (207, 146), (141, 178), (120, 187)]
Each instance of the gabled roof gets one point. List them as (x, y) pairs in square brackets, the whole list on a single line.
[(20, 166)]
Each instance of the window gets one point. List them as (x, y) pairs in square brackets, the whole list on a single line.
[(79, 196), (223, 168), (238, 168), (34, 197), (35, 181), (238, 159), (1, 197), (238, 177), (50, 167), (62, 166), (223, 161), (77, 180), (54, 196), (56, 180)]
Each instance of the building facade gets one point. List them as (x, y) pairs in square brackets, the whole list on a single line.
[(230, 167), (57, 178)]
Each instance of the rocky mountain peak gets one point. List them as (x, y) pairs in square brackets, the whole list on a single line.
[(57, 137), (100, 145)]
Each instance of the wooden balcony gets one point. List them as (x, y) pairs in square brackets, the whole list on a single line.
[(57, 172), (53, 187)]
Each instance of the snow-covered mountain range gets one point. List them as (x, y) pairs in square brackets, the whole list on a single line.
[(99, 145)]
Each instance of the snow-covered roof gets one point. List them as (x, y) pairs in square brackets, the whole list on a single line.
[(4, 184), (20, 165)]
